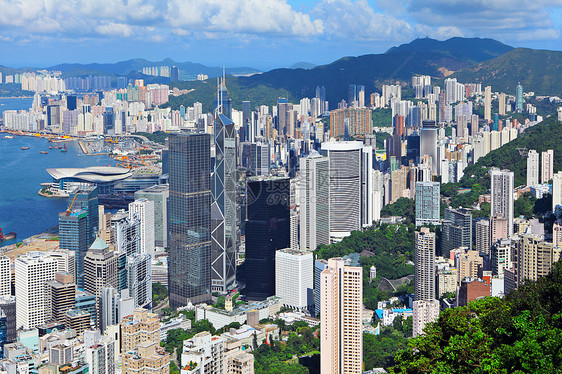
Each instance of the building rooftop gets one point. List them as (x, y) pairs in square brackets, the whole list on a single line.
[(96, 174)]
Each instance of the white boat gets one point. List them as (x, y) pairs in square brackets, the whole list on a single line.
[(8, 137)]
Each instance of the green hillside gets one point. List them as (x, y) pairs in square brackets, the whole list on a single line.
[(521, 333), (541, 137), (537, 70)]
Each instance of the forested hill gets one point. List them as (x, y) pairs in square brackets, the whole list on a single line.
[(521, 333), (541, 137)]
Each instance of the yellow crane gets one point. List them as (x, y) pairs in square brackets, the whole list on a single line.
[(71, 204)]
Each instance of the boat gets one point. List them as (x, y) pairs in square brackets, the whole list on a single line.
[(8, 137), (24, 148), (50, 147), (43, 152), (8, 236), (64, 148)]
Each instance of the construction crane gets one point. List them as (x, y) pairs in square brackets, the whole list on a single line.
[(69, 209)]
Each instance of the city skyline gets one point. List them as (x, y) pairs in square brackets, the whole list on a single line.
[(279, 32)]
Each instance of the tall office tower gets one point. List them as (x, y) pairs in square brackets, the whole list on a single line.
[(428, 203), (62, 294), (482, 238), (139, 279), (424, 312), (488, 103), (501, 104), (319, 266), (100, 356), (144, 209), (140, 327), (351, 197), (127, 233), (255, 157), (398, 183), (535, 258), (158, 194), (86, 198), (532, 168), (246, 121), (189, 219), (8, 309), (341, 336), (5, 277), (424, 263), (73, 236), (352, 95), (100, 267), (428, 144), (519, 98), (457, 229), (224, 208), (105, 231), (33, 270), (547, 170), (474, 125), (314, 201), (502, 196), (500, 256), (294, 278), (556, 190), (174, 74), (267, 230)]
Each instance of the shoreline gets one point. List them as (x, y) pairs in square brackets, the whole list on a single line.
[(16, 97)]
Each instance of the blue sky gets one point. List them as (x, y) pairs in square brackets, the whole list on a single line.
[(259, 33)]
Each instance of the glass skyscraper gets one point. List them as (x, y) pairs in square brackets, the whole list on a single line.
[(189, 219), (267, 230), (224, 209), (73, 236)]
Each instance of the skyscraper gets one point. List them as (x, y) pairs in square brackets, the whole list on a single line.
[(556, 190), (428, 201), (267, 230), (532, 168), (100, 267), (341, 335), (189, 219), (457, 229), (424, 312), (502, 196), (86, 198), (351, 190), (424, 265), (5, 277), (315, 201), (139, 279), (174, 74), (159, 194), (145, 210), (428, 144), (224, 209), (547, 170), (62, 293), (33, 270), (488, 103), (294, 278), (519, 98), (73, 236)]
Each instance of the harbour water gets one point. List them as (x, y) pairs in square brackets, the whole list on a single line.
[(22, 210)]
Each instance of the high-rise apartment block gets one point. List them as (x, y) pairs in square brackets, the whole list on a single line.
[(547, 169), (319, 266), (189, 219), (488, 103), (350, 122), (140, 327), (314, 201), (424, 264), (502, 196), (428, 200), (424, 312), (556, 190), (532, 168), (341, 336)]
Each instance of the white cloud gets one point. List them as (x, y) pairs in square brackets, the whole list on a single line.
[(357, 20)]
